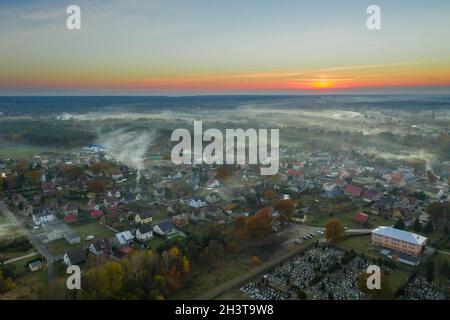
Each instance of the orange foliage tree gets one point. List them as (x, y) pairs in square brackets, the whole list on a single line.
[(334, 231)]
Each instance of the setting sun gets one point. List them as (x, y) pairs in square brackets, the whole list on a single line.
[(323, 84)]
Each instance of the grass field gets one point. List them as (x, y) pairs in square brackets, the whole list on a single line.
[(95, 228), (22, 151), (156, 242), (320, 220), (206, 280), (60, 246)]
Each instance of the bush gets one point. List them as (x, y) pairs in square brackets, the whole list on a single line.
[(301, 295)]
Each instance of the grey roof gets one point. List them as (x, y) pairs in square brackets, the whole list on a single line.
[(146, 228), (400, 235), (165, 225), (124, 237), (145, 215), (76, 255)]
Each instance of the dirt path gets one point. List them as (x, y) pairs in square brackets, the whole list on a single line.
[(32, 254)]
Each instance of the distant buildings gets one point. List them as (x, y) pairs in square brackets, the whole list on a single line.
[(399, 240)]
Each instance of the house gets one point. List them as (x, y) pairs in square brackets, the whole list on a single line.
[(75, 256), (163, 228), (399, 240), (70, 209), (212, 197), (299, 217), (352, 190), (212, 183), (28, 210), (197, 203), (96, 214), (43, 216), (18, 200), (110, 219), (297, 165), (48, 186), (396, 179), (369, 195), (91, 206), (72, 237), (117, 175), (70, 218), (212, 211), (197, 216), (143, 218), (385, 203), (111, 202), (35, 265), (159, 192), (180, 220), (101, 246), (361, 218), (124, 239), (144, 232)]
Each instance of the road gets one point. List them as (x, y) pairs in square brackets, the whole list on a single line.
[(32, 238)]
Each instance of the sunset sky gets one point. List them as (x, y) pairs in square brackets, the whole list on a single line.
[(224, 47)]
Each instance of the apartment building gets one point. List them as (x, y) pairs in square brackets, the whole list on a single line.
[(399, 240)]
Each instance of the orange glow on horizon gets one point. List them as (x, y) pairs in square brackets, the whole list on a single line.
[(402, 74)]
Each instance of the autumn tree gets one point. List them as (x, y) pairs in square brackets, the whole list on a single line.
[(286, 208), (223, 173), (11, 181), (240, 227), (269, 194), (6, 283), (256, 261), (334, 231), (105, 282), (33, 177), (96, 186), (70, 171), (259, 225), (102, 168)]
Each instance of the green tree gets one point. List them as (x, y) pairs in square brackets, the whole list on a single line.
[(428, 228), (301, 295), (429, 271), (417, 225), (400, 224)]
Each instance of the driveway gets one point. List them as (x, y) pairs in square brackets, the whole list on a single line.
[(33, 239)]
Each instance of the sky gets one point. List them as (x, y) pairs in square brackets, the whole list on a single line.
[(184, 47)]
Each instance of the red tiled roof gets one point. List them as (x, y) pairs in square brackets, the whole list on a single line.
[(70, 218), (293, 172), (354, 190), (96, 213), (361, 217)]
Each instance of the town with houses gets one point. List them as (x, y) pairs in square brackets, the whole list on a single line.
[(72, 208)]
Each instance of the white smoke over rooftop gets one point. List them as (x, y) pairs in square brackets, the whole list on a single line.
[(128, 147)]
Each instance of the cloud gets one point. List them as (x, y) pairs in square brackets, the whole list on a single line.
[(51, 15)]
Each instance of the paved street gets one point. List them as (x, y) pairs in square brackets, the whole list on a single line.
[(33, 239)]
